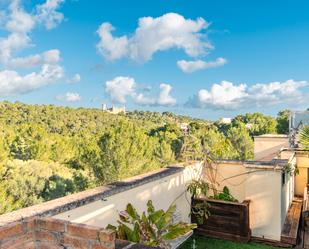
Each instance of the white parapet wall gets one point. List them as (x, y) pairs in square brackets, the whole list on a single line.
[(162, 192), (269, 189), (267, 185)]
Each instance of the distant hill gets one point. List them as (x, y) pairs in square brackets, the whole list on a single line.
[(48, 151)]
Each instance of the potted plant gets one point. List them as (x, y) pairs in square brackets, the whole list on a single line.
[(152, 228), (214, 214), (225, 195), (199, 188)]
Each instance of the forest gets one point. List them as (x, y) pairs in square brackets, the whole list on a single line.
[(48, 152)]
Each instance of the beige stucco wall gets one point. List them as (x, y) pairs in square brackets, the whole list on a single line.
[(288, 154), (300, 181), (288, 189), (302, 161), (287, 195), (269, 201), (269, 144), (162, 192), (263, 187), (232, 175)]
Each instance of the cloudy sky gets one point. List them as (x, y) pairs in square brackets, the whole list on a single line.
[(202, 58)]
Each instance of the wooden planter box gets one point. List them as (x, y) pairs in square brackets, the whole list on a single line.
[(227, 220)]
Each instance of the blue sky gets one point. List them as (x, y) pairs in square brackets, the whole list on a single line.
[(205, 59)]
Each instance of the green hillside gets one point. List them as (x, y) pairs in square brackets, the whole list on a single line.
[(48, 151)]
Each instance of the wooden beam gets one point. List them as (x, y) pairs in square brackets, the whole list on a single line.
[(291, 223)]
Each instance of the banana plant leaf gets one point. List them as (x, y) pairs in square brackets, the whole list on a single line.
[(304, 137), (178, 230), (126, 233), (132, 212), (166, 218), (150, 207), (156, 216)]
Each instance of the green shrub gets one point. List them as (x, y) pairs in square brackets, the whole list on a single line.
[(153, 228), (225, 195)]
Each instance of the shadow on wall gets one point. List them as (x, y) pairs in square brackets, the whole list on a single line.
[(264, 190), (262, 186), (162, 192)]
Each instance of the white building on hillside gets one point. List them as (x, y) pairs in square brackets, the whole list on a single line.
[(225, 120), (113, 110)]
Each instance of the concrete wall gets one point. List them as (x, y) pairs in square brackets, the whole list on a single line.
[(288, 189), (263, 188), (287, 193), (230, 174), (266, 145), (301, 179), (261, 185), (269, 199), (162, 192)]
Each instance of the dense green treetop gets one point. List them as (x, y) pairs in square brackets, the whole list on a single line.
[(283, 122), (48, 151)]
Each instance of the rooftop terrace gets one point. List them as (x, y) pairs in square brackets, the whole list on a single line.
[(257, 181)]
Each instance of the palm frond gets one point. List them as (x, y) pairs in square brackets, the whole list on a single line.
[(304, 137)]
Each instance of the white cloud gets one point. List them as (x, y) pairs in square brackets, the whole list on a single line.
[(48, 57), (111, 48), (164, 97), (120, 88), (142, 99), (155, 34), (75, 79), (48, 15), (12, 83), (191, 66), (13, 42), (278, 91), (69, 97), (20, 21), (225, 95), (2, 17), (228, 95), (19, 24)]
